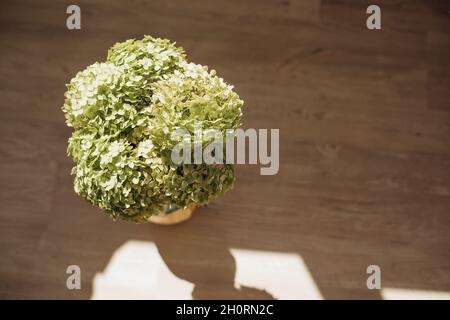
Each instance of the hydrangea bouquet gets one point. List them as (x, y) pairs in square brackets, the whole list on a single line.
[(123, 112)]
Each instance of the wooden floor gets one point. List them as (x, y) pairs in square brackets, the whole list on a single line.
[(364, 119)]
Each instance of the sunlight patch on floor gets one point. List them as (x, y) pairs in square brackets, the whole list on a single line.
[(284, 275), (413, 294), (137, 271)]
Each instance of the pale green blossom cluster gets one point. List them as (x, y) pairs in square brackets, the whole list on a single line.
[(123, 112)]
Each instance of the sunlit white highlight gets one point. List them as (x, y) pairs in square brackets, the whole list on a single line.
[(137, 271), (413, 294), (284, 275)]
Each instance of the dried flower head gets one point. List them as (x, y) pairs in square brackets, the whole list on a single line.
[(123, 112)]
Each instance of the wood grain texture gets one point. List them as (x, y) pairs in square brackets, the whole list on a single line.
[(364, 121)]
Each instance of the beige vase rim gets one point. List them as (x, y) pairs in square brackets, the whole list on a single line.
[(175, 217)]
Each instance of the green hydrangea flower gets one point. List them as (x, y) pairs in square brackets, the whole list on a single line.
[(123, 112)]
